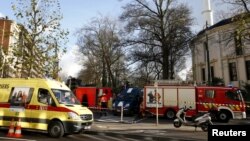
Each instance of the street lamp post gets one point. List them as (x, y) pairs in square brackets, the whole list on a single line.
[(156, 101), (207, 55)]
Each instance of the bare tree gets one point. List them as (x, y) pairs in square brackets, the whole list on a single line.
[(231, 8), (41, 20), (91, 66), (99, 42), (240, 6), (160, 31), (238, 15), (143, 74)]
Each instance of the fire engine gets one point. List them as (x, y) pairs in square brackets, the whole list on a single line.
[(90, 96), (224, 102)]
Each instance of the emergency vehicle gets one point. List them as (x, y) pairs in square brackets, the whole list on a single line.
[(224, 102), (42, 105), (90, 96), (128, 100)]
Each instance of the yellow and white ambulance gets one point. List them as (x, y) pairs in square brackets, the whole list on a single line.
[(42, 104)]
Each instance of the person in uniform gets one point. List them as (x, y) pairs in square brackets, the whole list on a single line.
[(104, 103)]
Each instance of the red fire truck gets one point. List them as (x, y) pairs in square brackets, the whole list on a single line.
[(224, 102), (89, 96)]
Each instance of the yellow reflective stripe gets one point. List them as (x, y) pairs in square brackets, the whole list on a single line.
[(237, 107), (231, 106), (205, 105)]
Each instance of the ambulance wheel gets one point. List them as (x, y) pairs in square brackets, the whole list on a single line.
[(170, 114), (56, 129)]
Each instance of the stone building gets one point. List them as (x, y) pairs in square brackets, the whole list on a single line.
[(227, 54), (15, 51)]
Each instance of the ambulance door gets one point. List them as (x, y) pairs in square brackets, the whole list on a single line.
[(19, 99), (40, 112)]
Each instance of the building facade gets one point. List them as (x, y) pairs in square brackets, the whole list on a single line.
[(15, 51), (8, 37), (220, 48)]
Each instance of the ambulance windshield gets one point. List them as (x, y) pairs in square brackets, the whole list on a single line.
[(65, 97)]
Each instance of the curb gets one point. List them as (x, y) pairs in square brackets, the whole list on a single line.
[(119, 121), (114, 121), (112, 125)]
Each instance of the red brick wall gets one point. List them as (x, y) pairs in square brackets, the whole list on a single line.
[(5, 33)]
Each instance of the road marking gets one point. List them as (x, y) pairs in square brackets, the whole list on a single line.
[(16, 139), (92, 137)]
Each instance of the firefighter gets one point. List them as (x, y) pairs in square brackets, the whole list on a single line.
[(104, 103)]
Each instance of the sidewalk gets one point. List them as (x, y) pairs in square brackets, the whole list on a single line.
[(146, 131), (121, 126), (110, 122), (142, 129)]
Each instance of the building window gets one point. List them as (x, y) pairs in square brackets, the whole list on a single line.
[(212, 72), (205, 51), (248, 69), (203, 74), (233, 71), (238, 44)]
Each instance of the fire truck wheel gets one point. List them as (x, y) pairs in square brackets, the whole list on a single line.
[(56, 129), (223, 116), (170, 114)]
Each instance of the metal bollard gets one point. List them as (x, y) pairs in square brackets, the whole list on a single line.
[(122, 113)]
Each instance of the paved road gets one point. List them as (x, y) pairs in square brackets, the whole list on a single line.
[(114, 128), (132, 135), (109, 128)]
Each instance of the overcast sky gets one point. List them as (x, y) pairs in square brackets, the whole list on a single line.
[(76, 13)]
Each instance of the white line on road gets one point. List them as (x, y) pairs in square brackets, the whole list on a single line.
[(16, 139), (92, 137)]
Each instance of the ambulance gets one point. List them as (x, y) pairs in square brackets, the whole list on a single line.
[(42, 104)]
